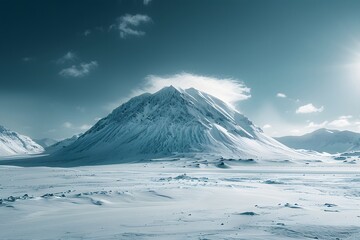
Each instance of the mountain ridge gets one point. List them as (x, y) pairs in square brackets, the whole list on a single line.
[(324, 140), (13, 143), (175, 121)]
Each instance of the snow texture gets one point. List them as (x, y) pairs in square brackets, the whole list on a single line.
[(12, 143), (171, 122), (178, 200)]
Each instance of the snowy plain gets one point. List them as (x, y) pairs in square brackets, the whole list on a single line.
[(110, 183), (182, 199)]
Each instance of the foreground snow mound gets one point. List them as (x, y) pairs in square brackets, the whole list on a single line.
[(324, 140), (174, 121), (12, 143)]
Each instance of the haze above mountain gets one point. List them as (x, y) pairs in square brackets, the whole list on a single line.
[(324, 140), (45, 142)]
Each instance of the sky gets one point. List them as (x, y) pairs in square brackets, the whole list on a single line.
[(290, 66)]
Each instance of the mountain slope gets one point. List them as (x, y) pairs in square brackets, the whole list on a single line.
[(173, 121), (12, 143), (45, 142), (62, 144), (324, 140)]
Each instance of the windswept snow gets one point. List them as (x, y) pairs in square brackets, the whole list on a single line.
[(176, 200), (12, 143)]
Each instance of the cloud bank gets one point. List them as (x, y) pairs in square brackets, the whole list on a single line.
[(340, 123), (281, 95), (83, 127), (80, 70), (226, 89), (127, 24), (309, 108), (68, 57)]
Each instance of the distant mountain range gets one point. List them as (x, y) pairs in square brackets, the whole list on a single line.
[(13, 143), (324, 140)]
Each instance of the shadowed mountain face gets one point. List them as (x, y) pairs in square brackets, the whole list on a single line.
[(61, 144), (13, 143), (171, 122), (324, 140)]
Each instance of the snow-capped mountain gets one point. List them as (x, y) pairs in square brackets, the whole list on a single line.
[(175, 121), (62, 144), (324, 140), (12, 143)]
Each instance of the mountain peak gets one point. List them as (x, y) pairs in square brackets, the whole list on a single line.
[(174, 121), (323, 130), (167, 91)]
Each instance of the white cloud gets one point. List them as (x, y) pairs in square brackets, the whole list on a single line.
[(68, 57), (281, 95), (345, 122), (87, 32), (80, 70), (67, 125), (127, 24), (226, 89), (85, 127), (313, 125), (266, 126), (309, 108), (295, 131), (346, 117), (340, 123), (146, 2)]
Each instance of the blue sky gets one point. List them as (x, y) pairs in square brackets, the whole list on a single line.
[(65, 64)]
